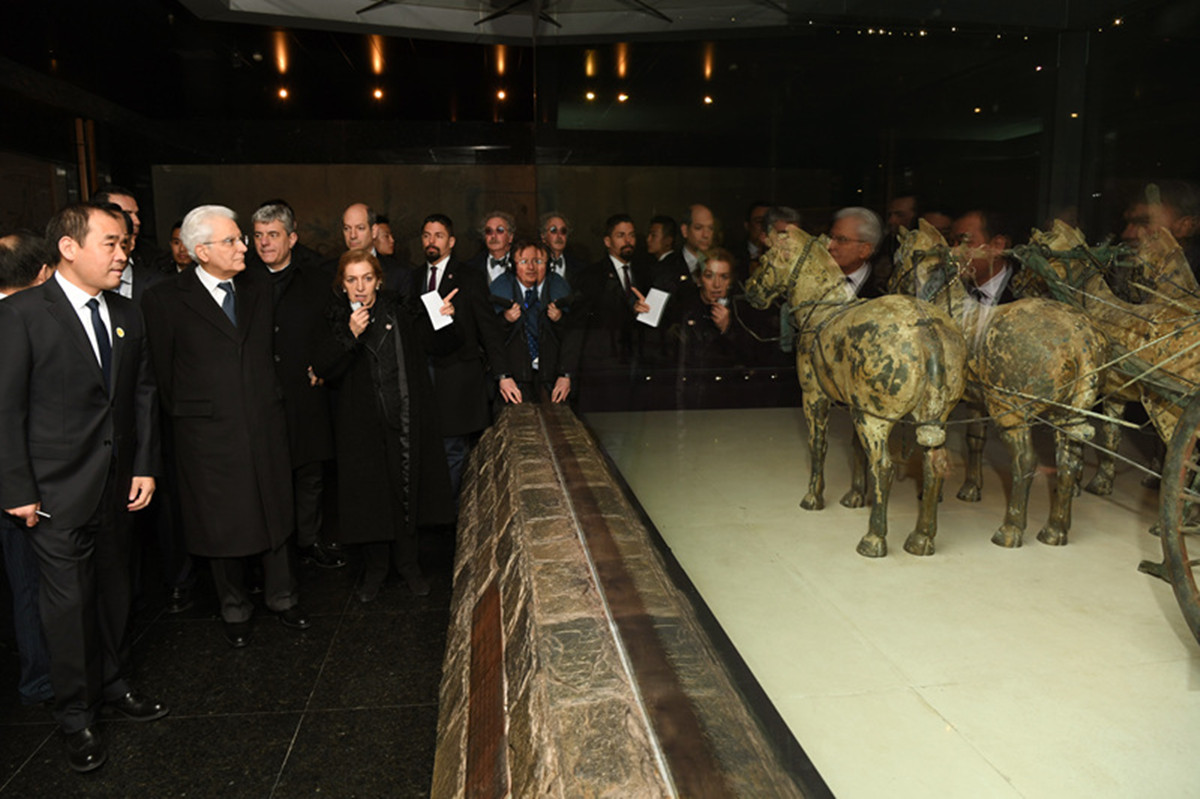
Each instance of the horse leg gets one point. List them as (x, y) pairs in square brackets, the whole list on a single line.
[(874, 434), (1069, 453), (816, 413), (920, 540), (972, 487), (1019, 441), (1110, 439), (856, 497)]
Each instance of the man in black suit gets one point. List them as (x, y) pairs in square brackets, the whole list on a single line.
[(360, 225), (141, 271), (988, 272), (555, 228), (300, 292), (460, 378), (211, 334), (855, 234), (78, 455), (541, 339), (614, 291), (497, 230)]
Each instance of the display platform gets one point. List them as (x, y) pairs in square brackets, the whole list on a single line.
[(979, 671)]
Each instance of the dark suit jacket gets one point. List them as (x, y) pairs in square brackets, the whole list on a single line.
[(671, 274), (559, 342), (60, 428), (146, 275), (574, 269), (219, 386), (479, 263), (300, 294), (460, 378), (610, 318)]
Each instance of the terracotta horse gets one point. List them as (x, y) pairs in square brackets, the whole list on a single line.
[(1029, 360), (884, 358)]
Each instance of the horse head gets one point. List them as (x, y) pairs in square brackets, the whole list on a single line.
[(923, 265), (795, 266)]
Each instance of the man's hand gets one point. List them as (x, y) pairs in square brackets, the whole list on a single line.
[(641, 306), (553, 312), (562, 387), (510, 392), (720, 317), (26, 513), (140, 492), (447, 305), (513, 313)]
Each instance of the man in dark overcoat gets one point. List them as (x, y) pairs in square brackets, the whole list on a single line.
[(78, 454), (211, 337)]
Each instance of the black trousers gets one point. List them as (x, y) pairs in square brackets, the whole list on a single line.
[(84, 595), (279, 584)]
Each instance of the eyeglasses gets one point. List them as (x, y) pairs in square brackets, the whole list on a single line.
[(558, 229), (535, 261), (845, 240), (230, 241), (488, 231)]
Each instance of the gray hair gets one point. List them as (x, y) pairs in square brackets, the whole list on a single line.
[(275, 213), (870, 230), (197, 226), (510, 221), (780, 213), (545, 218)]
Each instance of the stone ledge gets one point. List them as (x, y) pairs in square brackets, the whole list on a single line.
[(570, 651)]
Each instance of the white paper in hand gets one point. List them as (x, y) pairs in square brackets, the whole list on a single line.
[(657, 300), (433, 306)]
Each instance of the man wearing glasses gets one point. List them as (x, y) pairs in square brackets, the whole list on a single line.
[(496, 257), (211, 339), (555, 228), (855, 233)]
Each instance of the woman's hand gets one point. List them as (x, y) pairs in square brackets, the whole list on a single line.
[(359, 321)]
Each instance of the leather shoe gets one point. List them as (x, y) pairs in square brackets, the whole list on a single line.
[(415, 580), (136, 707), (322, 556), (369, 587), (237, 633), (295, 618), (85, 749), (179, 600)]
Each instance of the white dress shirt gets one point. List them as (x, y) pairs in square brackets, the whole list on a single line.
[(441, 273), (620, 266), (210, 283), (79, 301), (855, 279)]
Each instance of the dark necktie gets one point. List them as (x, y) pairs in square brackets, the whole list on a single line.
[(227, 303), (628, 282), (103, 344), (432, 278), (531, 323), (496, 263), (556, 265)]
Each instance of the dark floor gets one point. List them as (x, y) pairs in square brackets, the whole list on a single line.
[(347, 708)]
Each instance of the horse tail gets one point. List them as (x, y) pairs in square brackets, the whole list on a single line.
[(931, 431)]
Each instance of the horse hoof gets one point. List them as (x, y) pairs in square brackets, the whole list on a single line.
[(1099, 487), (969, 493), (919, 544), (812, 502), (1055, 538), (1009, 537), (872, 546), (854, 499)]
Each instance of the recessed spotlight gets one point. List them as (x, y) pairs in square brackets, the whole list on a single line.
[(283, 93), (590, 96), (377, 94), (622, 97), (500, 95), (708, 100), (978, 110)]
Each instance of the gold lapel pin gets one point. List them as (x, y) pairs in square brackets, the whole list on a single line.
[(120, 332)]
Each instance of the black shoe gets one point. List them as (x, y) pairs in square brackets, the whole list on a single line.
[(138, 708), (179, 600), (415, 580), (369, 587), (295, 618), (237, 633), (324, 557), (85, 749)]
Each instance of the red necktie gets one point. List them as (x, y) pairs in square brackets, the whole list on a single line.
[(432, 278)]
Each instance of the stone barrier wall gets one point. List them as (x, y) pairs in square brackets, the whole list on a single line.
[(573, 666)]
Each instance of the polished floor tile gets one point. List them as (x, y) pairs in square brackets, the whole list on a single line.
[(979, 671)]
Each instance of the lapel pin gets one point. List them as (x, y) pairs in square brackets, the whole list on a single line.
[(120, 332)]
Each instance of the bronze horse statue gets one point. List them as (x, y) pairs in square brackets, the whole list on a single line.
[(884, 358), (1029, 360)]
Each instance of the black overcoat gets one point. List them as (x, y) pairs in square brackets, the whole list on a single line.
[(217, 382), (389, 447)]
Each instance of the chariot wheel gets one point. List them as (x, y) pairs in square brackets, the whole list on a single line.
[(1179, 502)]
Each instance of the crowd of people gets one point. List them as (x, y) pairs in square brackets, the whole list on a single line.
[(204, 392)]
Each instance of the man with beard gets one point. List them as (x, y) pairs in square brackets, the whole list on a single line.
[(211, 336), (460, 378), (614, 289)]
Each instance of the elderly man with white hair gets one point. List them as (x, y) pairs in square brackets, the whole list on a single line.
[(211, 338), (853, 238)]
